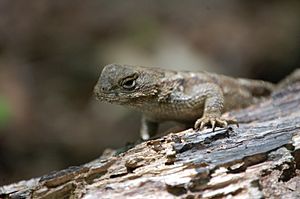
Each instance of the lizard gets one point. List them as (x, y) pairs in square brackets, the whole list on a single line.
[(181, 96)]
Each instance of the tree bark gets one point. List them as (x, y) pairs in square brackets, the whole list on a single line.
[(260, 159)]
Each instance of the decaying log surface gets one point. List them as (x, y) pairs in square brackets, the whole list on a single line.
[(261, 159)]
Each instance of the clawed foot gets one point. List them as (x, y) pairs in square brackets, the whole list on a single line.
[(213, 122)]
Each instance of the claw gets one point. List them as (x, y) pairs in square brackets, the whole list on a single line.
[(202, 125), (213, 124), (225, 124), (197, 123)]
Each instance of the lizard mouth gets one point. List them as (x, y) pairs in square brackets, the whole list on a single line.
[(110, 98)]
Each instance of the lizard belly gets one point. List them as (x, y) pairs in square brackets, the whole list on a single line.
[(171, 112)]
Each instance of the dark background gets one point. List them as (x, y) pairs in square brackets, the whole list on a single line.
[(52, 52)]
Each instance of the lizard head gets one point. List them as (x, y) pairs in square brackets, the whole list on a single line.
[(124, 84)]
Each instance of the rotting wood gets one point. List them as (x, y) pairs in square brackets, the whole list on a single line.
[(259, 159)]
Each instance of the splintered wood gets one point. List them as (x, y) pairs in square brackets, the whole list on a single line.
[(261, 159)]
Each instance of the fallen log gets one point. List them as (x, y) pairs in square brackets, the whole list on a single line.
[(260, 159)]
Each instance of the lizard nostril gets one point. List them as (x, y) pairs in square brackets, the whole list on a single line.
[(103, 89), (100, 89)]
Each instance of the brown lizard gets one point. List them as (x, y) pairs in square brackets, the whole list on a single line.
[(182, 96)]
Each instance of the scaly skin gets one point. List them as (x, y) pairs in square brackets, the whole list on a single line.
[(180, 96)]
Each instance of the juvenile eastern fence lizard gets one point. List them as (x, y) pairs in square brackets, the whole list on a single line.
[(181, 96)]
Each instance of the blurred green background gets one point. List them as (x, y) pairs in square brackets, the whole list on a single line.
[(52, 52)]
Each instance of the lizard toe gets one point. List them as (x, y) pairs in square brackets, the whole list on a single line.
[(222, 123), (201, 123), (213, 124), (197, 124), (233, 121)]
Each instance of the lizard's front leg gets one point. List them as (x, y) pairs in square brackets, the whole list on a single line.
[(148, 128), (213, 105)]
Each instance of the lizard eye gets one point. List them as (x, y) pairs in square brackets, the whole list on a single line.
[(128, 84)]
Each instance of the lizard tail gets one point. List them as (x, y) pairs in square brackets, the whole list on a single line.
[(290, 79), (262, 88), (258, 88)]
